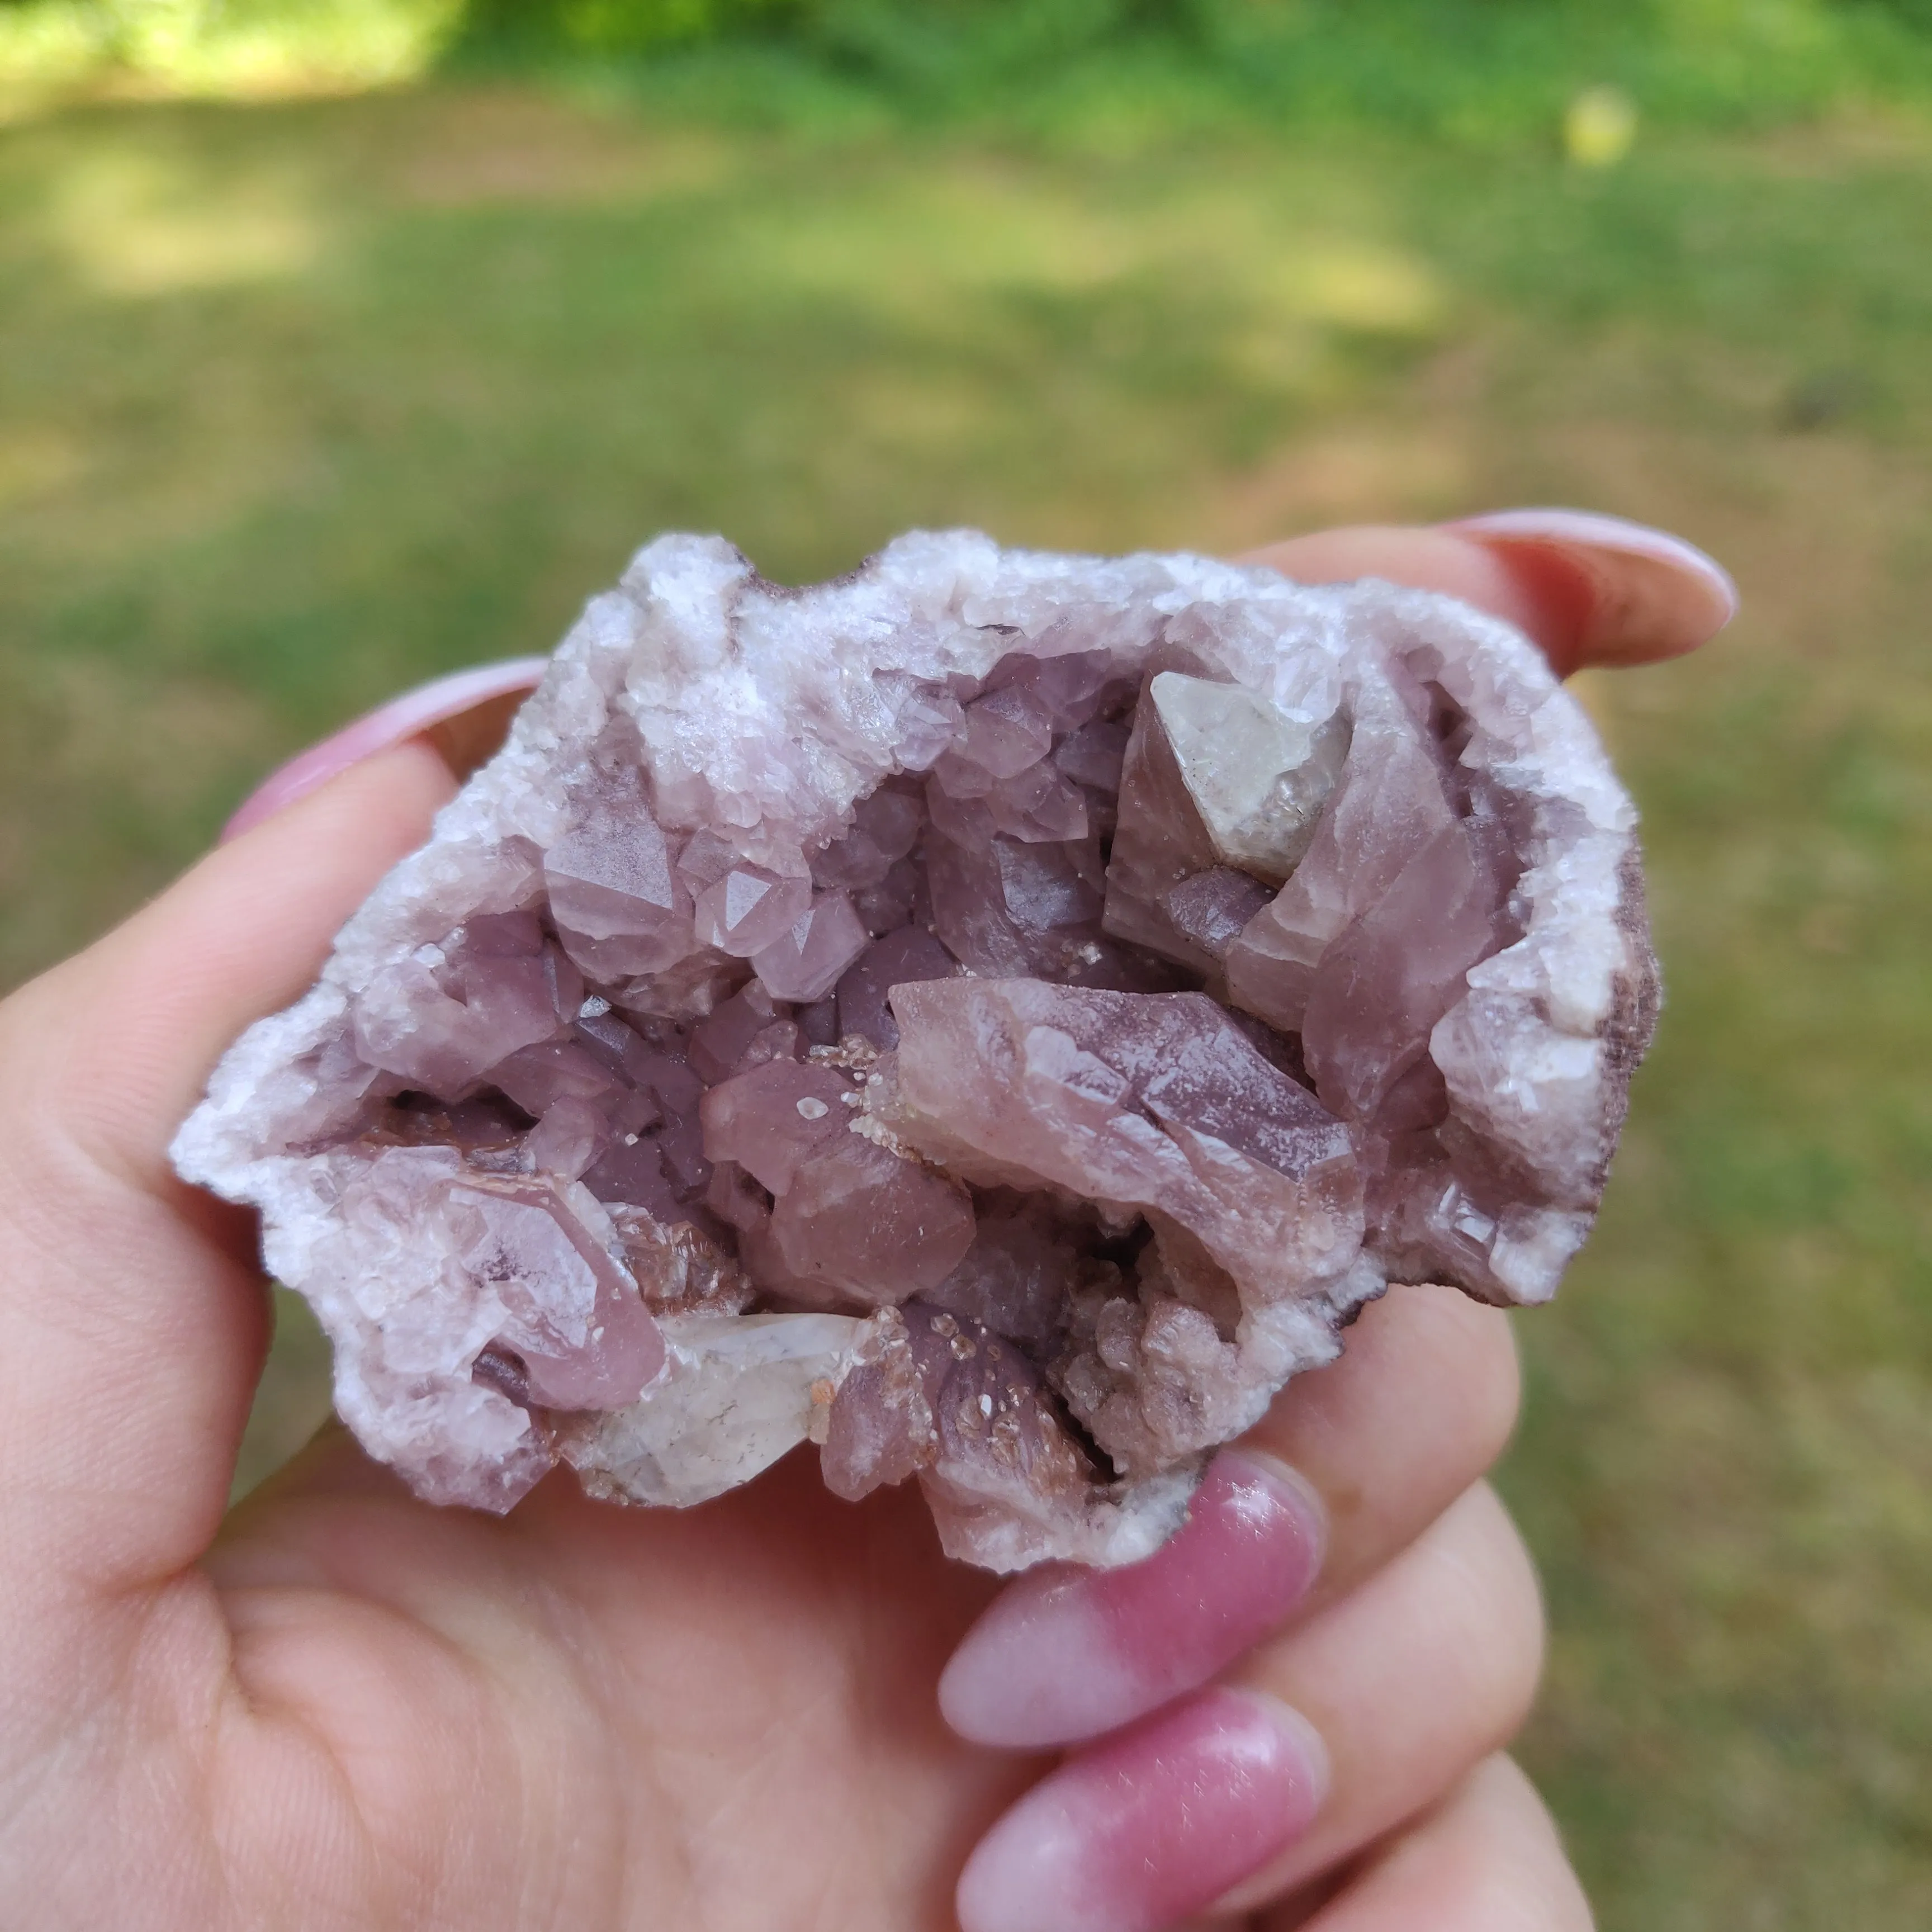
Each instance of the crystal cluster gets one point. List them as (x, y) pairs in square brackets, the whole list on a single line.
[(997, 1016)]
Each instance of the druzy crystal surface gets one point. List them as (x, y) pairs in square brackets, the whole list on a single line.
[(997, 1016)]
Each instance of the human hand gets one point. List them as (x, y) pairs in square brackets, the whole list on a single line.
[(342, 1707)]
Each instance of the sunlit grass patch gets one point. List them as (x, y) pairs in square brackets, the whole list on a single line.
[(133, 222), (229, 49)]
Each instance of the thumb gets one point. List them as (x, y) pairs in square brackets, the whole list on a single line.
[(132, 1317)]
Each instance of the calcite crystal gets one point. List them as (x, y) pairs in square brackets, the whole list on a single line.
[(997, 1015)]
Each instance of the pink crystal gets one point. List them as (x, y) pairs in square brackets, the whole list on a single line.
[(722, 1040), (575, 1320), (1385, 980), (772, 1118), (537, 1077), (570, 1136), (871, 1224), (1209, 911), (749, 909), (949, 1399), (885, 827), (806, 962), (442, 1025), (612, 890), (1026, 1265), (1094, 755), (996, 1016), (1392, 799), (632, 1172), (909, 953), (1156, 1103)]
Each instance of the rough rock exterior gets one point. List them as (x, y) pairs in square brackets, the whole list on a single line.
[(997, 1015)]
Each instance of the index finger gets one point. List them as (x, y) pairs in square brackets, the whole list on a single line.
[(1589, 589)]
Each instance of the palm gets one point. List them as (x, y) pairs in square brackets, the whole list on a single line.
[(728, 1712)]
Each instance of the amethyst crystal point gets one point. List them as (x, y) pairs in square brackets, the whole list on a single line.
[(996, 1017)]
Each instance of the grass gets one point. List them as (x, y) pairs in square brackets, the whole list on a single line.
[(300, 405)]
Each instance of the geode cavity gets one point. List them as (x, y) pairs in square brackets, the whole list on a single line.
[(998, 1015)]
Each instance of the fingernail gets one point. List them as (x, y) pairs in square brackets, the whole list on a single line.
[(1067, 1653), (1632, 594), (1149, 1826), (441, 710)]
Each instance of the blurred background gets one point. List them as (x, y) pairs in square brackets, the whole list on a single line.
[(346, 342)]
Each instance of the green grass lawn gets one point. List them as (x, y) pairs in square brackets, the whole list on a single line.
[(300, 404)]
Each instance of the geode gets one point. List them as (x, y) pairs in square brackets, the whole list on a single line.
[(997, 1015)]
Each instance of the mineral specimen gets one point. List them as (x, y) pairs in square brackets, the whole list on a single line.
[(997, 1015)]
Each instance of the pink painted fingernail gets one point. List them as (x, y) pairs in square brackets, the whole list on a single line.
[(1064, 1654), (1149, 1826), (435, 708), (1636, 594)]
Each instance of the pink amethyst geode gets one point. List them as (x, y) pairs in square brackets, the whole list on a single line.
[(997, 1015)]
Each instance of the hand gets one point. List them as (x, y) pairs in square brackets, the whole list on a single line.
[(341, 1708)]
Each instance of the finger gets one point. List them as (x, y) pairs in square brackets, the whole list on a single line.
[(1150, 1825), (1487, 1859), (1350, 1465), (1328, 1739), (463, 715), (1421, 1403), (1414, 1678), (132, 1333), (1589, 589)]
